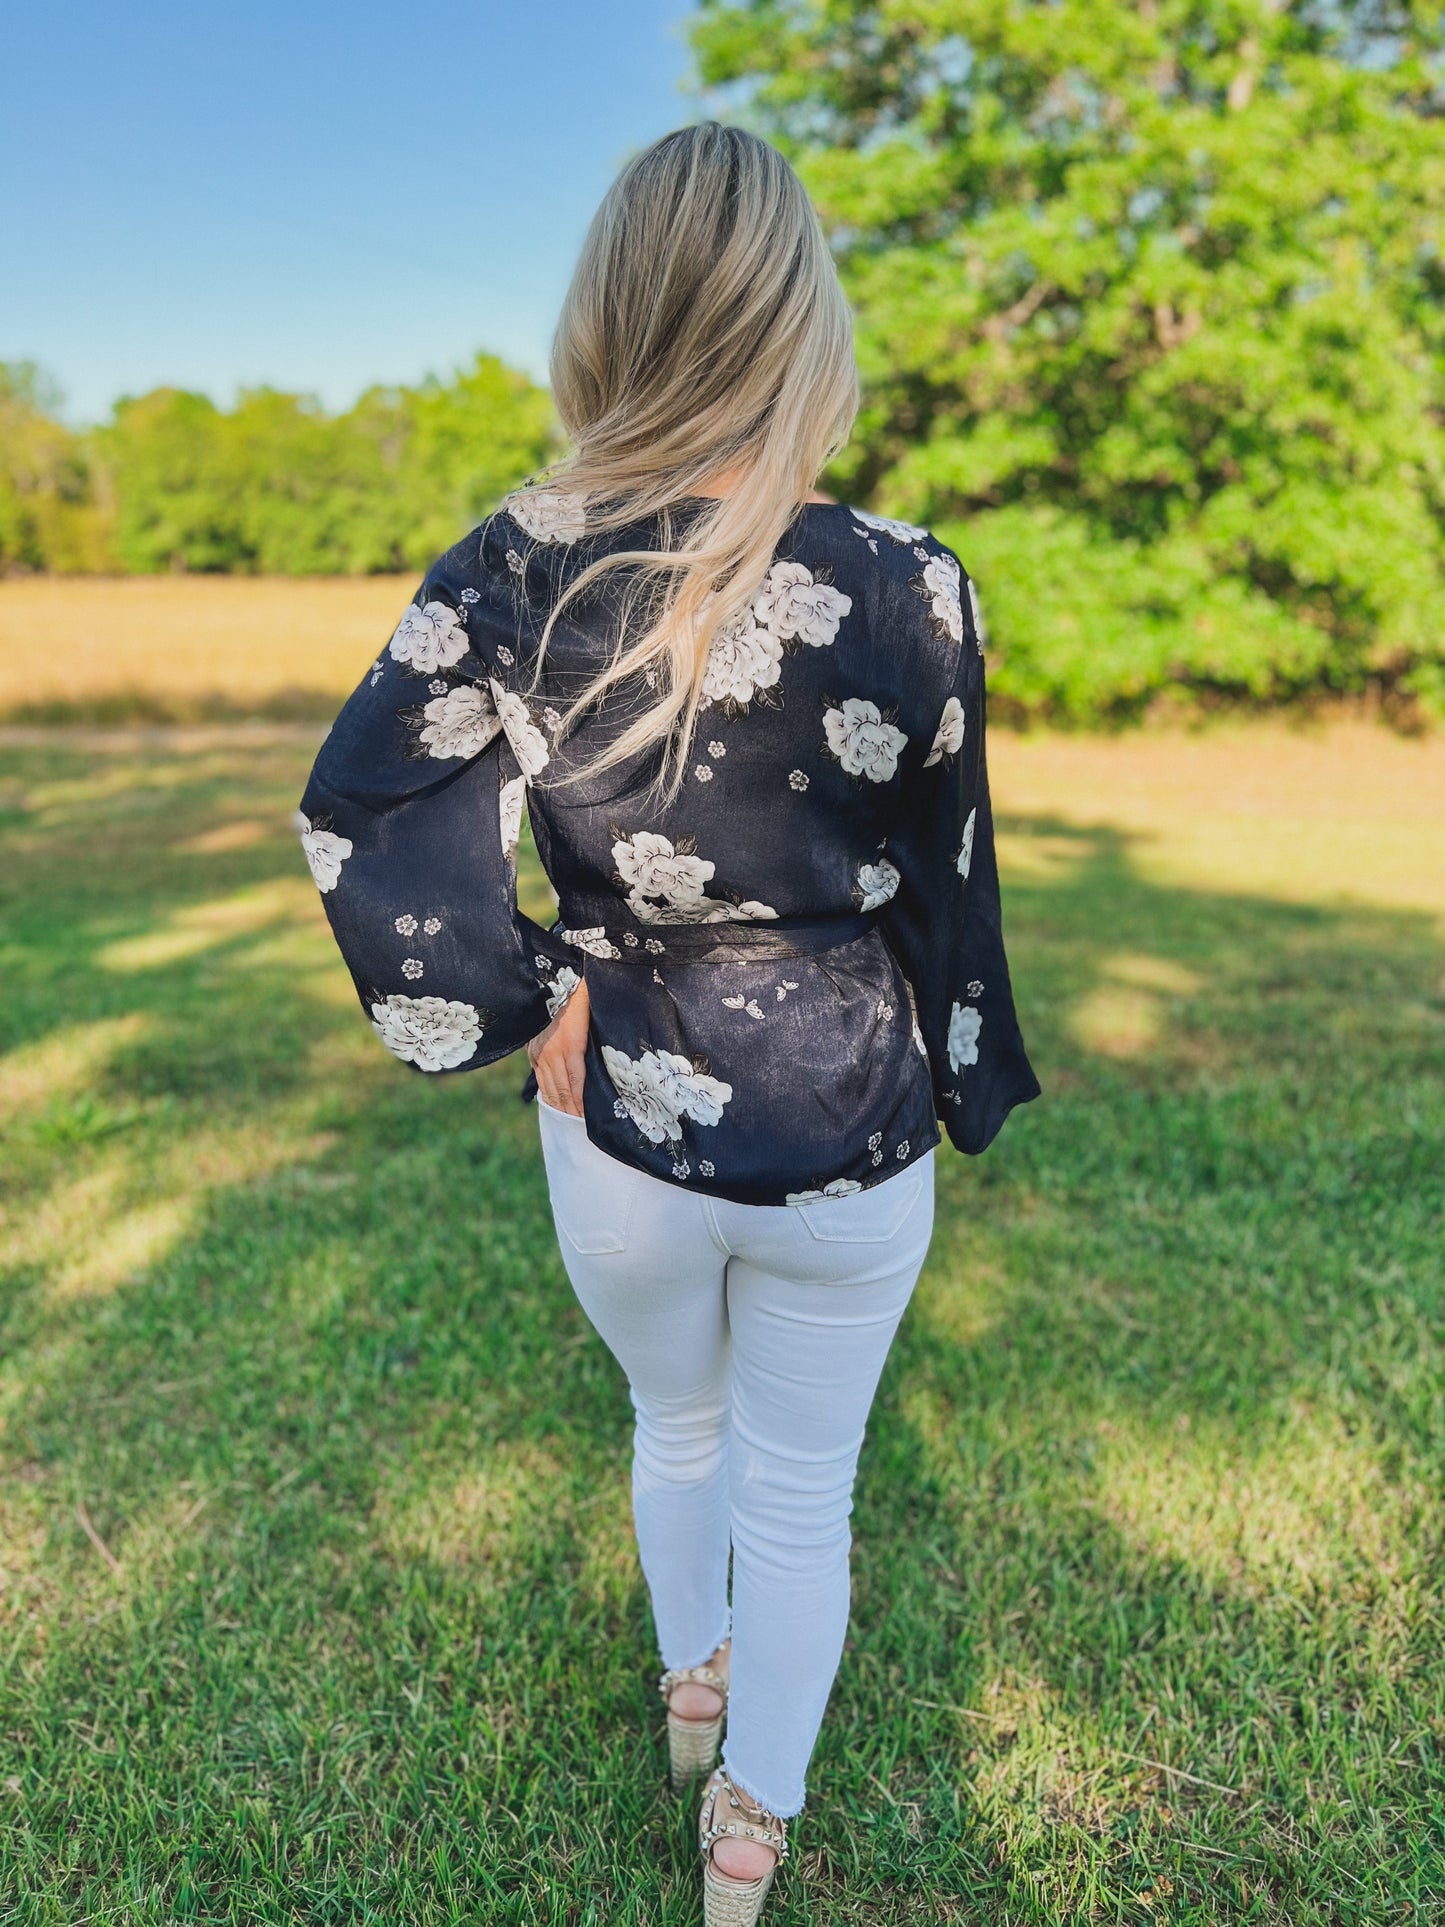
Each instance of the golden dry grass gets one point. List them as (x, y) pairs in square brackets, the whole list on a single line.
[(174, 645)]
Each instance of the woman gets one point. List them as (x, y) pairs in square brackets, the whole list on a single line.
[(747, 723)]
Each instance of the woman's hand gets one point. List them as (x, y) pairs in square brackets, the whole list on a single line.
[(557, 1053)]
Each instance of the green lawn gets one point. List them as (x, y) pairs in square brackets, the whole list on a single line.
[(1148, 1540)]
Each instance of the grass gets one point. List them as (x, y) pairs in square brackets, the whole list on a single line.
[(189, 648), (320, 1601)]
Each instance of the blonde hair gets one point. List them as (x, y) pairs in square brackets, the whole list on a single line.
[(704, 329)]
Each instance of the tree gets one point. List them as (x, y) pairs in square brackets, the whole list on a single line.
[(1149, 318)]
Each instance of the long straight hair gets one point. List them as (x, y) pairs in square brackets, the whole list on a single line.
[(704, 329)]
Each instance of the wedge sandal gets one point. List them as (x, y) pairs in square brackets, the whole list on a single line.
[(692, 1744), (726, 1809)]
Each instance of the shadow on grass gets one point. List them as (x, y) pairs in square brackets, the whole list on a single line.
[(1148, 1533)]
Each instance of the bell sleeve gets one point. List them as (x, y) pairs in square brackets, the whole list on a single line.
[(410, 822), (944, 920)]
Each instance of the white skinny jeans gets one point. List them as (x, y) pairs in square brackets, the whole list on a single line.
[(753, 1338)]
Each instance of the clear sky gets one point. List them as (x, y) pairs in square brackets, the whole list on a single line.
[(308, 194)]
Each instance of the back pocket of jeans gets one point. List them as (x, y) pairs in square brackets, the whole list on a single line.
[(871, 1216), (592, 1192)]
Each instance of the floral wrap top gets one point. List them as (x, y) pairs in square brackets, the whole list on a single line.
[(795, 969)]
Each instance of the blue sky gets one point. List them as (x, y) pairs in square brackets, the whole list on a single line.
[(308, 194)]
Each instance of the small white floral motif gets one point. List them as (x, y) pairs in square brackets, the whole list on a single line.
[(656, 975), (888, 525), (470, 595), (681, 1168), (324, 850), (630, 937), (459, 723), (875, 1140), (547, 514), (793, 606), (703, 772), (505, 655), (877, 883), (743, 659), (412, 967), (595, 941), (438, 686), (561, 987), (405, 926), (965, 854), (515, 562), (877, 1158), (509, 814), (885, 1010), (707, 1167), (902, 1151), (429, 638), (529, 745), (950, 732), (862, 741), (434, 1033), (964, 1024), (654, 944), (717, 749), (552, 718), (975, 988), (797, 779), (432, 925), (839, 1188)]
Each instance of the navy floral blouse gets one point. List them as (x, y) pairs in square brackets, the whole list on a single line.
[(797, 968)]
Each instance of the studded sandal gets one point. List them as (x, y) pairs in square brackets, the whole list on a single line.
[(726, 1809), (692, 1744)]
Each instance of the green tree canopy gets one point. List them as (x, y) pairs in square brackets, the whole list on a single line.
[(1149, 306)]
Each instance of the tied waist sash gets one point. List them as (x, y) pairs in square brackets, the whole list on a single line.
[(730, 941)]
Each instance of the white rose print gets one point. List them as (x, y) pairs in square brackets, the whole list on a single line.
[(941, 588), (434, 1033), (965, 854), (509, 812), (863, 742), (659, 1088), (963, 1027), (743, 661), (460, 723), (950, 732), (547, 514), (794, 606), (429, 638), (839, 1188), (888, 525), (324, 850), (561, 987), (876, 883), (529, 745)]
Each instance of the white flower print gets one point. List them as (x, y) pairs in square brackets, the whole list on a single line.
[(460, 723), (862, 741), (875, 1140), (438, 686), (797, 779), (432, 925), (515, 562), (703, 772), (552, 718), (505, 655), (902, 1151), (965, 854), (429, 638), (660, 1088), (975, 988), (630, 938), (324, 850), (918, 1039), (885, 1010), (434, 1033), (717, 749), (979, 630), (561, 987), (594, 941), (877, 882), (509, 811), (547, 514), (412, 967), (654, 944), (793, 606), (942, 586), (470, 595), (888, 525), (707, 1167), (692, 1093), (405, 926), (681, 1168), (839, 1188), (963, 1027), (654, 867), (742, 660), (529, 745), (950, 732)]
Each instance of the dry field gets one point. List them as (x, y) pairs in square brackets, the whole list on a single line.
[(179, 648)]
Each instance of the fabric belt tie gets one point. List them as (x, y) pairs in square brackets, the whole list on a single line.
[(722, 942)]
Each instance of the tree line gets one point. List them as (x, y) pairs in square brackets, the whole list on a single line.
[(274, 485)]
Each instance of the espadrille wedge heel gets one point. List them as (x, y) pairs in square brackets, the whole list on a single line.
[(726, 1810), (692, 1744)]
